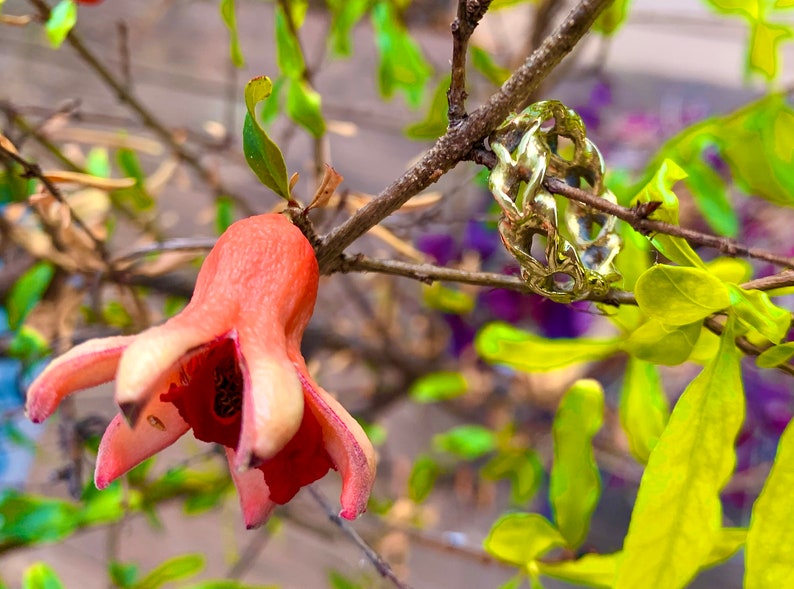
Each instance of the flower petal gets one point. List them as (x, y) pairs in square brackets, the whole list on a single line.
[(149, 361), (272, 400), (254, 495), (87, 365), (346, 443), (124, 447)]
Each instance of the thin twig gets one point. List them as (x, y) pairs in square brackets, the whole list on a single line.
[(646, 226), (744, 344), (34, 171), (383, 568), (146, 116), (470, 12), (456, 143)]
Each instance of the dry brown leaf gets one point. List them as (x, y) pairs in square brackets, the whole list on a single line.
[(5, 142), (342, 128), (61, 176), (330, 182), (109, 139), (418, 203), (166, 262)]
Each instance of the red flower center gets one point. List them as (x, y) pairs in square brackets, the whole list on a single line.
[(209, 398)]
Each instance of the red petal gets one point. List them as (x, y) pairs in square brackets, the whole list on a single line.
[(90, 364), (346, 443), (254, 495), (123, 447)]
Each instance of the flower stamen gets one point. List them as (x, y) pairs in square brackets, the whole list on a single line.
[(228, 380)]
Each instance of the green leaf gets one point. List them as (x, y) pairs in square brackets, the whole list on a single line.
[(345, 15), (660, 189), (466, 441), (41, 576), (402, 65), (115, 315), (173, 569), (522, 467), (521, 538), (28, 519), (500, 343), (775, 355), (678, 295), (304, 106), (677, 514), (123, 575), (756, 310), (224, 214), (762, 56), (423, 477), (731, 270), (612, 18), (289, 56), (27, 292), (137, 195), (28, 344), (438, 386), (447, 300), (644, 409), (575, 483), (229, 19), (262, 154), (436, 121), (484, 63), (63, 17), (593, 570), (769, 555), (657, 342), (727, 543), (339, 581), (97, 162)]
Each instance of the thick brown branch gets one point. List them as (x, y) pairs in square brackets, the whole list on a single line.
[(470, 12), (646, 226), (453, 146)]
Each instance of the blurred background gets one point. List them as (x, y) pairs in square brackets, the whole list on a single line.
[(373, 338)]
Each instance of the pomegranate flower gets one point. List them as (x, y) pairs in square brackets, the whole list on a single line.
[(228, 367)]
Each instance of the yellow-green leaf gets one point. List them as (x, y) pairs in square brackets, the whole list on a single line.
[(229, 19), (680, 295), (756, 310), (521, 538), (593, 570), (63, 17), (575, 483), (775, 355), (500, 343), (657, 342), (769, 556), (644, 409), (677, 515), (762, 56)]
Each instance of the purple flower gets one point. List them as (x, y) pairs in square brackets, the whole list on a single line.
[(440, 246)]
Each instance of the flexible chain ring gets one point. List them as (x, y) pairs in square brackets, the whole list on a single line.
[(579, 256)]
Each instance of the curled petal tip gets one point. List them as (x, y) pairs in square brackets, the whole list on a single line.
[(131, 412), (349, 514)]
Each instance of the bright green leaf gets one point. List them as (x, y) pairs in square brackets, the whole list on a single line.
[(228, 15), (677, 514), (63, 17), (522, 467), (27, 292), (438, 386), (521, 538), (41, 576), (484, 63), (769, 555), (593, 570), (612, 18), (513, 583), (173, 569), (304, 106), (775, 355), (447, 300), (345, 15), (575, 483), (97, 162), (435, 122), (224, 213), (500, 343), (657, 342), (660, 189), (423, 477), (123, 575), (28, 344), (679, 295), (402, 65), (339, 581), (289, 56), (731, 270), (467, 442), (755, 309), (644, 409), (262, 154)]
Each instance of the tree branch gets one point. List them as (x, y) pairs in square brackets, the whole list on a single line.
[(457, 142), (470, 12)]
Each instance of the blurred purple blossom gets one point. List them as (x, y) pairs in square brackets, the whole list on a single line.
[(479, 238), (440, 246)]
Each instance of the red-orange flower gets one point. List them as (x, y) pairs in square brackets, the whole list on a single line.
[(228, 367)]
